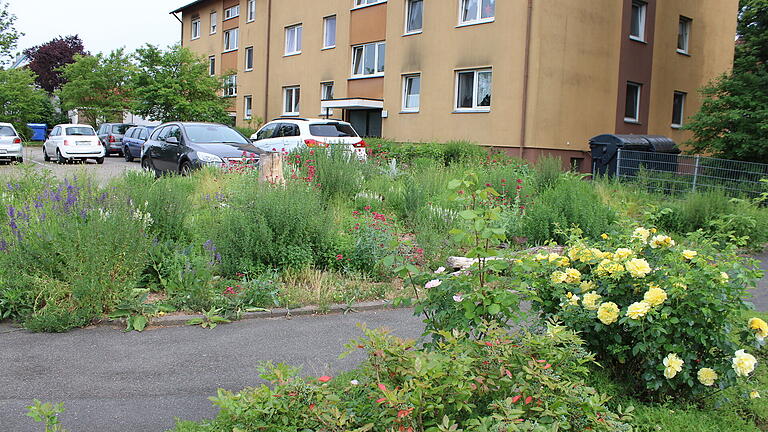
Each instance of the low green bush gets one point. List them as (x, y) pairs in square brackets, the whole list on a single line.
[(448, 153)]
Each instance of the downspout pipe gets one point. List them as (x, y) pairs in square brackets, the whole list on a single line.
[(266, 70), (526, 69)]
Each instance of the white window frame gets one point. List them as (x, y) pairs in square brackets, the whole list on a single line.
[(195, 28), (228, 39), (214, 22), (297, 29), (375, 46), (638, 88), (294, 93), (688, 23), (406, 30), (366, 3), (326, 20), (248, 52), (251, 12), (682, 109), (324, 96), (230, 86), (476, 82), (231, 12), (406, 79), (211, 65), (478, 19), (248, 107), (643, 9)]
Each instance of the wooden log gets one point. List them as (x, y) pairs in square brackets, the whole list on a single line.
[(271, 168)]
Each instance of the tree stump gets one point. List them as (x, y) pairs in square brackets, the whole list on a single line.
[(271, 168)]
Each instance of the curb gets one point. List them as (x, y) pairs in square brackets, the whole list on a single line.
[(181, 320)]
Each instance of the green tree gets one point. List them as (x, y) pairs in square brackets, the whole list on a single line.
[(733, 121), (21, 102), (174, 85), (97, 86), (8, 34)]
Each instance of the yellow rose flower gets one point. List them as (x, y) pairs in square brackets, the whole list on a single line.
[(553, 257), (689, 254), (572, 276), (608, 313), (622, 253), (754, 394), (707, 376), (574, 253), (743, 363), (653, 230), (760, 327), (558, 277), (655, 296), (563, 262), (680, 285), (638, 267), (591, 254), (590, 300), (724, 277), (608, 267), (573, 299), (638, 310), (673, 364), (587, 286), (661, 241), (641, 234), (540, 257), (604, 236)]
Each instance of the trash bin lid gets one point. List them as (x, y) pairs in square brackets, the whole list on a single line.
[(653, 143)]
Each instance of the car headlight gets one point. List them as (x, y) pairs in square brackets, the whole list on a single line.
[(209, 158)]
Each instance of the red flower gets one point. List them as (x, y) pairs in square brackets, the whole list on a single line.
[(324, 379), (381, 400), (404, 413), (517, 398), (382, 387), (520, 181), (339, 257), (528, 400), (311, 406), (367, 208)]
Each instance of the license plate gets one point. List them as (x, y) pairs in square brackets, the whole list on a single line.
[(83, 143)]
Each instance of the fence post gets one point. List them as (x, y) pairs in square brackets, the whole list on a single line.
[(696, 173), (618, 163)]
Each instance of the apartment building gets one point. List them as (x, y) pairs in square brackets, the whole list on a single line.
[(528, 77)]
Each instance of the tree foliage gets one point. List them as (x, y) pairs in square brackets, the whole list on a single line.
[(9, 36), (46, 60), (174, 84), (97, 86), (733, 121), (21, 102)]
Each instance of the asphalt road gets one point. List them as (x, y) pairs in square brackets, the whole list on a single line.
[(113, 166), (115, 381)]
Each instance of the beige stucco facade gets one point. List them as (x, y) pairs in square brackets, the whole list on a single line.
[(559, 67)]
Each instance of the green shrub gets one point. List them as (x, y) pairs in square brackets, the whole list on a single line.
[(546, 173), (446, 153), (571, 202)]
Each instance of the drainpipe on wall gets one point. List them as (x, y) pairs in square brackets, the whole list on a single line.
[(266, 75), (526, 68)]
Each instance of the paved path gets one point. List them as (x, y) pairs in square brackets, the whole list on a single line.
[(113, 166), (760, 295), (114, 381)]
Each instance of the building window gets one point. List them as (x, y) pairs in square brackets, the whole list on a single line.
[(249, 59), (214, 22), (359, 3), (368, 59), (293, 40), (684, 35), (632, 107), (251, 11), (195, 28), (230, 86), (329, 32), (477, 11), (678, 109), (414, 16), (230, 39), (291, 100), (248, 107), (473, 90), (637, 27), (212, 65), (232, 12), (411, 93), (326, 93)]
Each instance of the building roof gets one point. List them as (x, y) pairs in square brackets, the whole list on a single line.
[(187, 6)]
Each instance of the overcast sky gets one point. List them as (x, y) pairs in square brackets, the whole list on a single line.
[(103, 25)]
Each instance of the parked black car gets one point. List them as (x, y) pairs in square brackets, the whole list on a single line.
[(181, 147), (133, 141), (111, 136)]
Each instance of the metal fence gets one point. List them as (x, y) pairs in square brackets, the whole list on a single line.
[(672, 173)]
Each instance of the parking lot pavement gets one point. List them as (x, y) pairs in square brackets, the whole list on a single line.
[(113, 166)]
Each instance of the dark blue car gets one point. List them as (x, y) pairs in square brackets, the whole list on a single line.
[(134, 140)]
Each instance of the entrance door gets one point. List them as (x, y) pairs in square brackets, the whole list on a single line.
[(367, 122)]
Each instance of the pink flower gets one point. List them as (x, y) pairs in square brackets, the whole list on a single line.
[(339, 257), (440, 270), (324, 379), (458, 298), (433, 284)]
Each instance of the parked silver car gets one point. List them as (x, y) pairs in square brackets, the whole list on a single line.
[(11, 149)]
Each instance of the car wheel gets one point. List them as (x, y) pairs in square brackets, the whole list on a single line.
[(100, 160), (45, 155), (59, 158), (20, 160), (128, 155), (186, 169)]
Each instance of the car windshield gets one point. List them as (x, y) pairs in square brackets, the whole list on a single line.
[(81, 130), (333, 130), (214, 134), (120, 129), (7, 131)]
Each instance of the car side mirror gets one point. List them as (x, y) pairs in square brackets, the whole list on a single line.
[(172, 140)]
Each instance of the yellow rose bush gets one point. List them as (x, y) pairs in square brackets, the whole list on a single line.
[(657, 313)]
